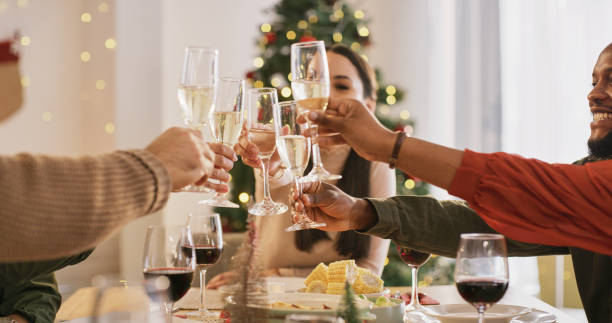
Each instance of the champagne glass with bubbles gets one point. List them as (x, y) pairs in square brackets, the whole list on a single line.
[(310, 86), (294, 151), (226, 123), (260, 125), (196, 92)]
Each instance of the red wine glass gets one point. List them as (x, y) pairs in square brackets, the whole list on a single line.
[(414, 259), (481, 270), (166, 267), (207, 247)]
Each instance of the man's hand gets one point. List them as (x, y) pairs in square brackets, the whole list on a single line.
[(358, 128), (224, 162), (250, 154), (187, 158), (326, 203)]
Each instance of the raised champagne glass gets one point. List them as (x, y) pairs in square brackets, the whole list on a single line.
[(294, 151), (310, 86), (226, 123), (260, 125), (196, 92)]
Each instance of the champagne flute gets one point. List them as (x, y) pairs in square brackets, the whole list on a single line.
[(207, 246), (166, 264), (226, 123), (260, 125), (481, 271), (414, 259), (310, 85), (196, 92), (294, 151)]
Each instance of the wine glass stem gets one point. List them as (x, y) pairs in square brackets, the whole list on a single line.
[(316, 156), (481, 312), (265, 164), (203, 308), (414, 300), (300, 215), (168, 307)]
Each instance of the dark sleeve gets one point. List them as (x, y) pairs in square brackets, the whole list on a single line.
[(37, 300), (429, 225)]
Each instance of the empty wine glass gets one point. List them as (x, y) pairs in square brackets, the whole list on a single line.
[(166, 263), (196, 92), (260, 125), (207, 247), (294, 151), (481, 270), (310, 86), (226, 123), (414, 259)]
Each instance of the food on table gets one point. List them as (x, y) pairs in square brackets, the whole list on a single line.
[(319, 273), (316, 286), (280, 304), (382, 301), (342, 271), (331, 279), (367, 282)]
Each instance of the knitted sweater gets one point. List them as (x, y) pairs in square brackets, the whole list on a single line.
[(53, 207)]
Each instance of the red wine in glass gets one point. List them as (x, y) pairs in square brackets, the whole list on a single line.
[(412, 257), (206, 255), (482, 292), (178, 278)]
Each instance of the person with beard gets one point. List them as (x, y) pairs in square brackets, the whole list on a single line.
[(542, 208)]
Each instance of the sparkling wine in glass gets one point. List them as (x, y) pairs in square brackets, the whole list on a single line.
[(294, 151), (166, 264), (310, 86), (197, 90), (226, 123), (207, 247), (260, 125), (481, 270), (414, 259)]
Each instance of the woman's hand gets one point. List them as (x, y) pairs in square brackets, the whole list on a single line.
[(250, 154), (224, 162)]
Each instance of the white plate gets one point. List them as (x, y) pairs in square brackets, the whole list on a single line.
[(460, 313), (273, 284)]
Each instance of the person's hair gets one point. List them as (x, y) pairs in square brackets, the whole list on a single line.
[(353, 182), (366, 73)]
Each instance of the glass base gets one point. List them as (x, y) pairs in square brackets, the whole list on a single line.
[(319, 173), (304, 226), (195, 189), (219, 201), (267, 208), (201, 314)]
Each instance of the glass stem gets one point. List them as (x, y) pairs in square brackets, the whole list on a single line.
[(265, 164), (316, 156), (203, 308), (481, 311), (300, 215), (168, 307), (414, 300)]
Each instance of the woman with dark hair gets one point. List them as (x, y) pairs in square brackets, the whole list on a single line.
[(297, 253)]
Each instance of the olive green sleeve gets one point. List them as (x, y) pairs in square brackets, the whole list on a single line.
[(37, 300), (429, 225)]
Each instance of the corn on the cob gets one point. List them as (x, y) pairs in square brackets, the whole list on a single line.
[(319, 273), (341, 271), (335, 288), (367, 282), (316, 286)]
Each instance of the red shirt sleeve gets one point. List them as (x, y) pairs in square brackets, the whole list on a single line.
[(533, 201)]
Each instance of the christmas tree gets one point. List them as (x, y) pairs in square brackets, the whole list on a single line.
[(331, 21)]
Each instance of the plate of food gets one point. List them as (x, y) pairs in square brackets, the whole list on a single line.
[(463, 313), (331, 279)]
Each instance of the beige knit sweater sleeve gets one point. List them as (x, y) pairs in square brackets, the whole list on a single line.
[(53, 207)]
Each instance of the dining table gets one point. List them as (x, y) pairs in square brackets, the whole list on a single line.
[(78, 308)]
